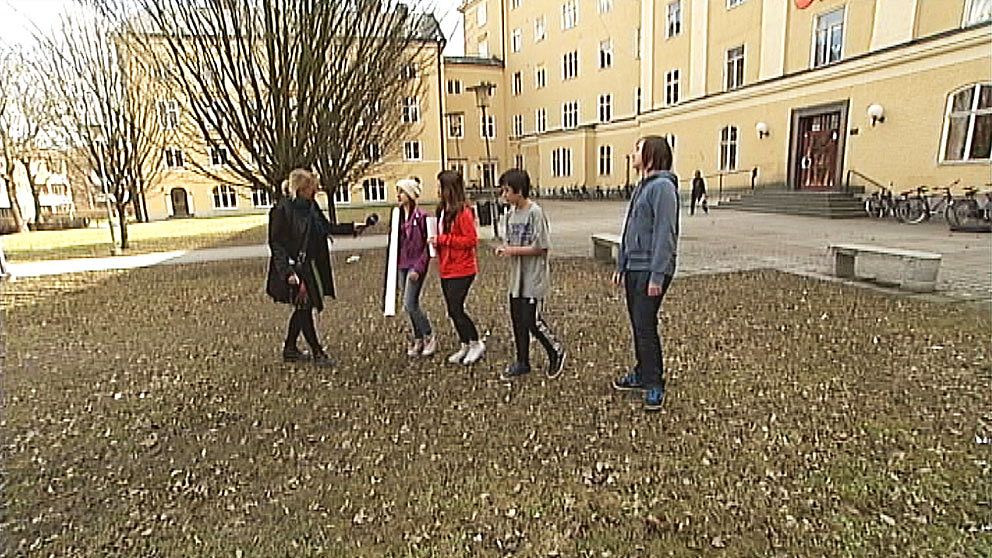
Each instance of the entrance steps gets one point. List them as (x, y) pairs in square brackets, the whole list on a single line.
[(827, 204)]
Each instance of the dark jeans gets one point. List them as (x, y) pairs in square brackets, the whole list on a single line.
[(302, 320), (695, 199), (527, 321), (455, 290), (411, 303), (643, 311)]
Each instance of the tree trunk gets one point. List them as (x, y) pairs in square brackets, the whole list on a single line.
[(122, 220), (330, 188), (36, 198), (15, 205)]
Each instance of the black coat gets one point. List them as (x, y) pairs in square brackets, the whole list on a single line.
[(698, 187), (288, 221)]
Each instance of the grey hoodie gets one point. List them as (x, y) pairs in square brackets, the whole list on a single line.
[(651, 230)]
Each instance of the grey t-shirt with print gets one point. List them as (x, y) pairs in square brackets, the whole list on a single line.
[(529, 275)]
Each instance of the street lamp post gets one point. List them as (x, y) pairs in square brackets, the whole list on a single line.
[(483, 98)]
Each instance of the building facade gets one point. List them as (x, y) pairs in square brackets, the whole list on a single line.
[(806, 94)]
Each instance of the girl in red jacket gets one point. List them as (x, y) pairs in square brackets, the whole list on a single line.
[(456, 243)]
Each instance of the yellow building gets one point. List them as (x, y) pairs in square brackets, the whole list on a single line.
[(810, 94)]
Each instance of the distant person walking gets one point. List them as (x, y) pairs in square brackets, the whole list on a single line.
[(698, 194), (646, 263)]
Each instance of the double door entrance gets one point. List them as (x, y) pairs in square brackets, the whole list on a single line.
[(816, 155)]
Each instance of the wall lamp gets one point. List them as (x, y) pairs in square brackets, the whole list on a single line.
[(876, 113), (762, 130)]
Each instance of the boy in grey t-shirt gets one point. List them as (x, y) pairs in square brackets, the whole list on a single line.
[(527, 243)]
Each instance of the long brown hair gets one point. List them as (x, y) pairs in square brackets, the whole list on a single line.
[(656, 155), (452, 196)]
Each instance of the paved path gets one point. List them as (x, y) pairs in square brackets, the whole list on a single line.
[(724, 240)]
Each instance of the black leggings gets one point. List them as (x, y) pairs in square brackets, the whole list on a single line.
[(302, 320), (527, 321), (455, 290)]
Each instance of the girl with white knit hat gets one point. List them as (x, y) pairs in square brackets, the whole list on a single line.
[(413, 261)]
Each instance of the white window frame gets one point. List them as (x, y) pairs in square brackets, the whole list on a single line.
[(219, 155), (518, 125), (570, 61), (976, 12), (481, 14), (516, 40), (605, 6), (673, 19), (569, 14), (178, 158), (605, 107), (491, 126), (672, 87), (260, 197), (730, 148), (454, 87), (605, 160), (605, 54), (570, 115), (726, 68), (374, 190), (483, 49), (540, 29), (514, 4), (518, 161), (813, 63), (972, 114), (540, 77), (169, 114), (561, 162), (413, 151), (342, 196), (517, 83), (456, 126), (411, 109), (541, 120), (374, 152), (458, 165), (224, 197)]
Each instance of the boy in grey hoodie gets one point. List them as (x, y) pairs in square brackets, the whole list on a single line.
[(646, 263)]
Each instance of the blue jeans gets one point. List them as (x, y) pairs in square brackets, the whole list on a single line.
[(643, 311), (411, 304)]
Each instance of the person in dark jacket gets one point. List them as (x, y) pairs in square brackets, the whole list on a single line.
[(300, 265), (646, 263), (698, 194), (413, 260)]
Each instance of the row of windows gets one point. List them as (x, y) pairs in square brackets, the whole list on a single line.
[(410, 110), (570, 115), (225, 196), (175, 158)]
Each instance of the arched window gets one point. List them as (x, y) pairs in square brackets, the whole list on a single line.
[(968, 124), (728, 148), (224, 197)]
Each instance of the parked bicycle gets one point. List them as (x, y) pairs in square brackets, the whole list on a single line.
[(880, 203), (970, 213)]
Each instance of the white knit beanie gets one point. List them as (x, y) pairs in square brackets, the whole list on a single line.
[(410, 186)]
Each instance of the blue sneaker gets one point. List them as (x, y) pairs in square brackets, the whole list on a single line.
[(630, 382), (515, 370), (653, 398)]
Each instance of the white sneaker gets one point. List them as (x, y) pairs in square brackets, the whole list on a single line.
[(459, 355), (430, 346), (475, 351), (415, 348)]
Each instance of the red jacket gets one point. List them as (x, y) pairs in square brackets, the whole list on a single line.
[(456, 247)]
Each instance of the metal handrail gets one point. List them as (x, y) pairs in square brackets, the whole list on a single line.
[(719, 176), (866, 178)]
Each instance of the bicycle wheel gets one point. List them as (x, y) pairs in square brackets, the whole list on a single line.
[(899, 210), (961, 212), (873, 207), (916, 211)]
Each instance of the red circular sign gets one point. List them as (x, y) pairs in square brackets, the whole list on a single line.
[(803, 4)]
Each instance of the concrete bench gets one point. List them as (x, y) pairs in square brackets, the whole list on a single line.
[(605, 247), (908, 269)]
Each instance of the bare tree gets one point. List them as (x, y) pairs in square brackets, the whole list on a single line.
[(109, 108), (272, 85)]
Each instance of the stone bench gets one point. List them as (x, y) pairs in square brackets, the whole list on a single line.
[(605, 247), (908, 269)]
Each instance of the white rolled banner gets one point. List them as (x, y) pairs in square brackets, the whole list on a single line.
[(392, 263), (432, 233)]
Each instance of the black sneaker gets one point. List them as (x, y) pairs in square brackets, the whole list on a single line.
[(515, 370), (321, 360), (556, 364), (294, 355), (654, 398), (630, 382)]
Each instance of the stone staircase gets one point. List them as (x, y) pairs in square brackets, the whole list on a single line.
[(831, 205)]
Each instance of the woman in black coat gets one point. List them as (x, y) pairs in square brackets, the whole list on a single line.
[(300, 265)]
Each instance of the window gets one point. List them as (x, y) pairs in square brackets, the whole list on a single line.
[(514, 4), (518, 161), (487, 126), (968, 124), (517, 84), (829, 39), (484, 49), (540, 120), (516, 40), (411, 150), (374, 189), (672, 87), (671, 144), (518, 125), (174, 158), (168, 112), (728, 148), (605, 6), (605, 160), (540, 29), (637, 101), (569, 14), (454, 87), (977, 11), (457, 166), (411, 110), (674, 21), (373, 151), (540, 77), (570, 115), (456, 126), (481, 15), (342, 194), (218, 155), (488, 173), (260, 198), (605, 54), (605, 107), (561, 162), (224, 197), (735, 68), (734, 3), (570, 65), (409, 71)]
